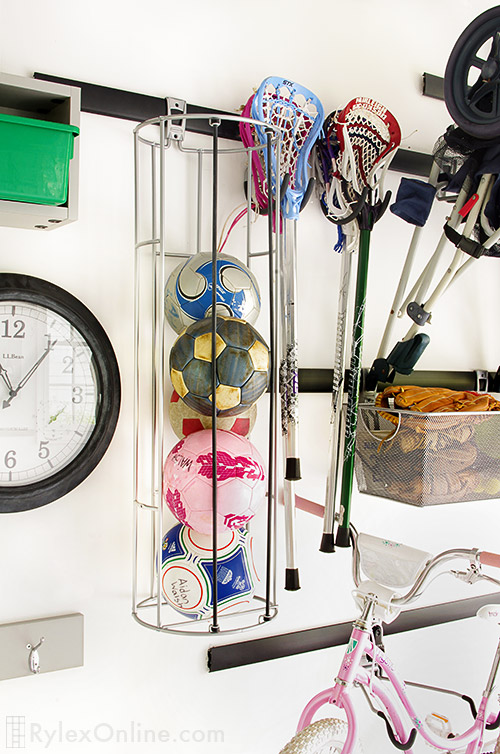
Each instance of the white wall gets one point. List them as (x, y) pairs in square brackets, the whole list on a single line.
[(75, 554)]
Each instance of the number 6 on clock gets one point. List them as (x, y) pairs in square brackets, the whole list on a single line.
[(59, 392)]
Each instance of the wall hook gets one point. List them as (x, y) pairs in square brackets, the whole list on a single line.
[(34, 659)]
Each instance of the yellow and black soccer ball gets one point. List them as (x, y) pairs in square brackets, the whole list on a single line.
[(242, 362)]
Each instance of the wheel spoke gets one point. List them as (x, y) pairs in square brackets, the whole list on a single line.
[(476, 62), (477, 97)]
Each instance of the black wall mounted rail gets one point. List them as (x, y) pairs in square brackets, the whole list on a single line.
[(119, 103), (226, 656), (321, 380), (432, 86)]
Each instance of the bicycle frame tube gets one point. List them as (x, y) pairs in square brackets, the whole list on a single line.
[(351, 673)]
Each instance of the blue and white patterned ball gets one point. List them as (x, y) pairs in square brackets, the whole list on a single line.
[(187, 581), (188, 292)]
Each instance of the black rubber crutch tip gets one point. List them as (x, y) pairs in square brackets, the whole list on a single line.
[(292, 470), (343, 538), (327, 543), (292, 583)]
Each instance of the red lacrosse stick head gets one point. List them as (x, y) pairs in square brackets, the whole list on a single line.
[(368, 136)]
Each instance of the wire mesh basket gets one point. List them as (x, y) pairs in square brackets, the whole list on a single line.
[(428, 458)]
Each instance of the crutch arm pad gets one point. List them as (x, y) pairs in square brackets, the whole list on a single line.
[(414, 201)]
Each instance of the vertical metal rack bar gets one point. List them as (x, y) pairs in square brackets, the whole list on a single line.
[(214, 627)]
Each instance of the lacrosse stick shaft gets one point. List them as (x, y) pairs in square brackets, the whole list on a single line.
[(290, 421), (342, 538), (327, 540), (289, 395)]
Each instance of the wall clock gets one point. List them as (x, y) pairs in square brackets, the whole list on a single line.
[(59, 392)]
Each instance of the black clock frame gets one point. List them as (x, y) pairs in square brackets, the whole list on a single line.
[(28, 289)]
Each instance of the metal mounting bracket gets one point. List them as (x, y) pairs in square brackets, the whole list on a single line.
[(417, 313), (482, 380), (176, 128)]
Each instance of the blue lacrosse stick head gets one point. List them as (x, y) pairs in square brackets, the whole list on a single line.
[(299, 114)]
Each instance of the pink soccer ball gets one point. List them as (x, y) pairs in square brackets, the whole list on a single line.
[(187, 481)]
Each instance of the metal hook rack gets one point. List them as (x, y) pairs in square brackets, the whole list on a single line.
[(172, 168)]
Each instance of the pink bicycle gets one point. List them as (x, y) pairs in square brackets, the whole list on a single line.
[(389, 567)]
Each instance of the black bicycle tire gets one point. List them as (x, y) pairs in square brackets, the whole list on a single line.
[(455, 84), (35, 290)]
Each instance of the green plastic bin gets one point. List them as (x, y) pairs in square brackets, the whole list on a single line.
[(34, 159)]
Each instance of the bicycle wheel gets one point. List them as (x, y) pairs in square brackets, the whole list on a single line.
[(472, 77), (325, 736), (491, 747)]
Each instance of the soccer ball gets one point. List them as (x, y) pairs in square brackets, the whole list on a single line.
[(185, 420), (187, 481), (188, 292), (187, 574), (242, 366)]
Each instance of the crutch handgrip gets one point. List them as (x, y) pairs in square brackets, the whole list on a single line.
[(489, 558), (406, 353)]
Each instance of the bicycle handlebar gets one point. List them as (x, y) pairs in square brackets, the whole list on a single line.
[(490, 558)]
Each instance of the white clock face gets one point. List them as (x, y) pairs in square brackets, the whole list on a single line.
[(48, 393)]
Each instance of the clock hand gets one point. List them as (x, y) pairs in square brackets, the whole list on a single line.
[(29, 374), (5, 377)]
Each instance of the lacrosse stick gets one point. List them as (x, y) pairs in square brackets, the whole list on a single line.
[(333, 206), (298, 113), (368, 136)]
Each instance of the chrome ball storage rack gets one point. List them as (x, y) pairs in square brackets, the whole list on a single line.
[(179, 174)]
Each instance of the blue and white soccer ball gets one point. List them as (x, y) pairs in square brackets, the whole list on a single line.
[(188, 292), (187, 581)]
